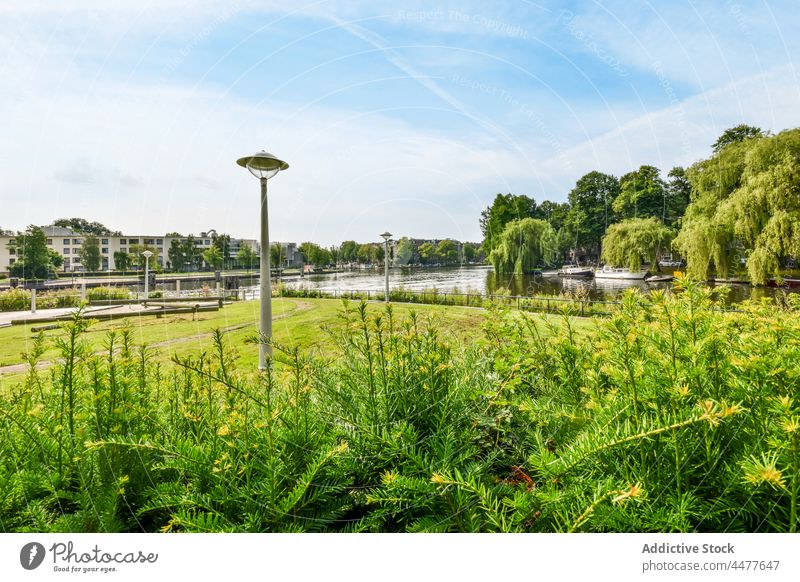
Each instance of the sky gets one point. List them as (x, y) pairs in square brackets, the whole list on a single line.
[(401, 116)]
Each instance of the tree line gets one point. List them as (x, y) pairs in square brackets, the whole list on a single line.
[(738, 207)]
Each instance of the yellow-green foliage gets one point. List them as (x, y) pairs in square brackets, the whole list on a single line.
[(523, 246), (746, 199), (629, 242), (672, 415)]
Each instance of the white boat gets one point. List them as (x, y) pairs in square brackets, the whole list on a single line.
[(671, 263), (575, 271), (619, 273), (659, 279)]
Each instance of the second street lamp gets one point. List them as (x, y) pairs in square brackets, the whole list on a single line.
[(386, 236), (264, 166), (147, 255)]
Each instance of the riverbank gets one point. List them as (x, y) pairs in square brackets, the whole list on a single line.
[(298, 322)]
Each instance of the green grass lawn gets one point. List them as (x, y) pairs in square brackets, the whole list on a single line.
[(297, 322)]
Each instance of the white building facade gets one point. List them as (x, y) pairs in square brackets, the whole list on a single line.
[(68, 243)]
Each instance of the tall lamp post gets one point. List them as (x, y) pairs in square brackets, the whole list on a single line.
[(147, 255), (386, 236), (264, 166)]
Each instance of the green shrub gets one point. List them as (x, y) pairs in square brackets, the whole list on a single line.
[(670, 415), (20, 299), (106, 293)]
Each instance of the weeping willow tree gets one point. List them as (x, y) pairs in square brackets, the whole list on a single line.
[(630, 242), (524, 245), (745, 201)]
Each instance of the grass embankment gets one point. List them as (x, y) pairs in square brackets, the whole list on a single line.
[(297, 322)]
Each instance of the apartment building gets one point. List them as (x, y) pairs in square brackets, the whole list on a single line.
[(68, 243), (292, 258)]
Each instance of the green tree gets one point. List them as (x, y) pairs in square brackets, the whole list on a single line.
[(642, 193), (90, 253), (632, 241), (247, 257), (348, 251), (314, 254), (448, 251), (213, 257), (223, 243), (553, 212), (428, 254), (175, 255), (524, 246), (364, 254), (56, 260), (403, 252), (34, 259), (746, 204), (85, 227), (504, 209), (736, 134), (679, 194), (191, 253), (276, 255), (137, 257), (593, 195), (471, 252), (122, 260)]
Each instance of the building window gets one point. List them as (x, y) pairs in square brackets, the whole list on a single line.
[(104, 250), (49, 241), (12, 251), (104, 241), (66, 261), (76, 241), (160, 241), (12, 261), (123, 250), (66, 251), (123, 241), (133, 241), (66, 241), (206, 242), (76, 260), (149, 241)]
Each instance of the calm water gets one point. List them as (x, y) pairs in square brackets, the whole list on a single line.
[(484, 280)]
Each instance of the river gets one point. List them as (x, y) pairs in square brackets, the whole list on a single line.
[(482, 279)]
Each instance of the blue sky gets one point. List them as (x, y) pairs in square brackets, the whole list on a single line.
[(401, 116)]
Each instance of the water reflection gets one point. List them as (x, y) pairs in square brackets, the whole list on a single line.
[(484, 280)]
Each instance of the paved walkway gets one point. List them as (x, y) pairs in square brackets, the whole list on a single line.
[(6, 317)]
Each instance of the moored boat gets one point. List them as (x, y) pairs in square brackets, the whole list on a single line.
[(786, 283), (671, 263), (575, 271), (659, 279), (619, 273)]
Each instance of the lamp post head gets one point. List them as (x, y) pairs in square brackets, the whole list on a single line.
[(147, 254), (386, 235), (263, 164)]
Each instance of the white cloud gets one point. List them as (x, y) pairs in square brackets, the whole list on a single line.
[(158, 156)]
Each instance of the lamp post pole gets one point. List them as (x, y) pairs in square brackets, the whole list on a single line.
[(386, 236), (264, 166), (265, 289)]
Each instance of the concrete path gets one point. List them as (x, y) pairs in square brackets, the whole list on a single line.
[(6, 317)]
